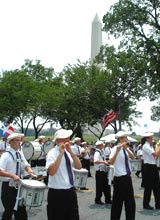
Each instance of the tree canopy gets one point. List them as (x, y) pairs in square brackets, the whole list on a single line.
[(137, 24)]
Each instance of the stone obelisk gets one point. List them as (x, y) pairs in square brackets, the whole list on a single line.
[(96, 37)]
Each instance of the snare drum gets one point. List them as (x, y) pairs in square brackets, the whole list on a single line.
[(136, 165), (80, 180), (31, 193), (32, 150), (47, 146), (40, 171)]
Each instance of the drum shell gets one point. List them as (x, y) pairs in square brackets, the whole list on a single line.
[(31, 195), (80, 180), (47, 146), (39, 170), (136, 165), (32, 150)]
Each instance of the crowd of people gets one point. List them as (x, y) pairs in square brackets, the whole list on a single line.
[(112, 164)]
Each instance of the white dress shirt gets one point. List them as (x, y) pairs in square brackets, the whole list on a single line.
[(98, 156), (9, 163), (60, 180), (77, 149), (119, 165), (147, 151)]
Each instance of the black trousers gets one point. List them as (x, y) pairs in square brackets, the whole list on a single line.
[(102, 187), (86, 165), (8, 197), (123, 193), (62, 204), (151, 183)]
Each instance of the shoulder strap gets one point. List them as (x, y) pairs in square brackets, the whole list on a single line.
[(9, 153), (100, 153), (12, 154)]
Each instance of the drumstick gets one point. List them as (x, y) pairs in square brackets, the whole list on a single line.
[(17, 197)]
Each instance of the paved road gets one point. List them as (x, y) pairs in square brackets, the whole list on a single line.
[(91, 211)]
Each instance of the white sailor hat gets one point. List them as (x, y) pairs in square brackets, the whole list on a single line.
[(120, 134), (13, 136), (147, 134), (41, 137), (77, 139), (62, 133), (99, 143)]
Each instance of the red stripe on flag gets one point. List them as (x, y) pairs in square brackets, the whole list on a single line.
[(108, 118)]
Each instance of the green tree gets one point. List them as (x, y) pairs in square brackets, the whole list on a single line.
[(15, 97), (136, 23), (25, 94), (124, 82)]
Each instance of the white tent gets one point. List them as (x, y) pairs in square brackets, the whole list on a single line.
[(111, 138)]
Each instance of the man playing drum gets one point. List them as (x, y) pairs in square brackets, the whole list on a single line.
[(12, 163), (62, 197)]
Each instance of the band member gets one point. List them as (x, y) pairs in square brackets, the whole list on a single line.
[(3, 145), (42, 160), (101, 175), (107, 150), (122, 182), (62, 197), (86, 158), (150, 172), (12, 163), (76, 147)]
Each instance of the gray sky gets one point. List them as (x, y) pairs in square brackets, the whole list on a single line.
[(55, 32)]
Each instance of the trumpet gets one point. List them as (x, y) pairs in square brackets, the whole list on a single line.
[(84, 153), (157, 145)]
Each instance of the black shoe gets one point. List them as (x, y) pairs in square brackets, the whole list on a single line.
[(84, 188), (109, 202), (148, 207), (99, 202), (157, 207)]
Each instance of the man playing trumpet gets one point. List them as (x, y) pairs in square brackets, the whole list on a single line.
[(122, 183), (62, 197)]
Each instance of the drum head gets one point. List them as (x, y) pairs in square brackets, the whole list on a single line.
[(47, 146), (33, 183), (28, 150)]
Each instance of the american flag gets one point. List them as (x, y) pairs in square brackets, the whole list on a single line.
[(6, 130), (110, 116)]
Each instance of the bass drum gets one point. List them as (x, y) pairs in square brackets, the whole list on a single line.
[(47, 146), (31, 150)]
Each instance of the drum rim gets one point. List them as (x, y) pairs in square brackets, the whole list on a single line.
[(43, 148), (30, 186), (32, 149)]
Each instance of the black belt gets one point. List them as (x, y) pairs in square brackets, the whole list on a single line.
[(150, 165), (123, 176)]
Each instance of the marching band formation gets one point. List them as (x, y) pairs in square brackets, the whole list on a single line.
[(62, 166)]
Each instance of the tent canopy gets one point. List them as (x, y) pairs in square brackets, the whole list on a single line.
[(111, 138)]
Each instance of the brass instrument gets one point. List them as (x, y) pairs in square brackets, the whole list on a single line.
[(157, 145), (85, 152)]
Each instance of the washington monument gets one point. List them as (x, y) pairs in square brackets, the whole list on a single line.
[(96, 37)]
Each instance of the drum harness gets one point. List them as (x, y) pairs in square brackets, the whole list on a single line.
[(103, 167), (18, 160)]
